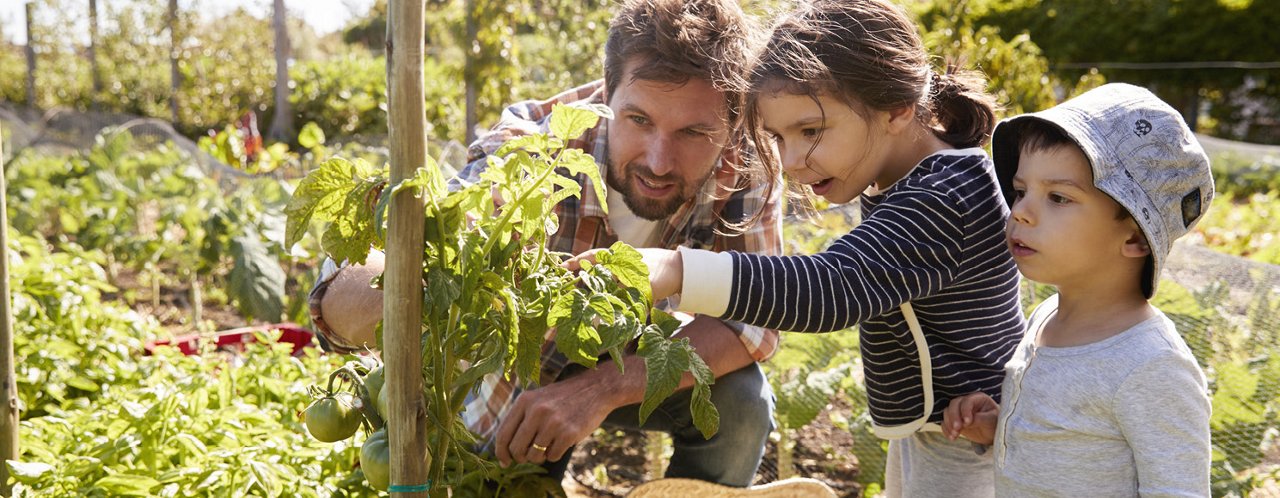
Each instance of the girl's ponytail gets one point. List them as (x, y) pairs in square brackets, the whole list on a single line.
[(964, 114)]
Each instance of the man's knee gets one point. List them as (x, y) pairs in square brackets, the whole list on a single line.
[(745, 400)]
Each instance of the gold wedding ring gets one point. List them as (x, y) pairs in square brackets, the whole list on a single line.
[(539, 447)]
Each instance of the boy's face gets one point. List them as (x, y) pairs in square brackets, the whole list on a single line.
[(664, 142), (1062, 230)]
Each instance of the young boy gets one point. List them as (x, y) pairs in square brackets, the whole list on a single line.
[(1102, 397)]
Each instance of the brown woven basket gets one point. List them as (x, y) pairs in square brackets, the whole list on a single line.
[(795, 487)]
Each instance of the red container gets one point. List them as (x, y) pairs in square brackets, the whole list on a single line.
[(234, 339)]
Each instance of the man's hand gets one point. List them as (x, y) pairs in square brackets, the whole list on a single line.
[(544, 423), (973, 416), (666, 269)]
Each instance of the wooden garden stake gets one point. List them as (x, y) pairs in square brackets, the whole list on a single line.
[(8, 384), (402, 281)]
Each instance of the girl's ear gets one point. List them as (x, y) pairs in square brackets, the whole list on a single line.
[(1136, 245), (900, 119)]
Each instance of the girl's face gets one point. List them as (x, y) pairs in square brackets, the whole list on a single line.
[(826, 144)]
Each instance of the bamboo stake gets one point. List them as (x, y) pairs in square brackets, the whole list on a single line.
[(31, 56), (402, 281), (175, 76), (8, 384)]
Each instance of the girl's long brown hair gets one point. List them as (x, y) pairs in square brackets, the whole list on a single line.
[(867, 54)]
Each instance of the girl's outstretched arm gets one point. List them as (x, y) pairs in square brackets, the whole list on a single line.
[(666, 269)]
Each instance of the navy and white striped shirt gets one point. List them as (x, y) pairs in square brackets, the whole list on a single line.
[(934, 239)]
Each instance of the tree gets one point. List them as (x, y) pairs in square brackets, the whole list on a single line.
[(282, 122), (1170, 46)]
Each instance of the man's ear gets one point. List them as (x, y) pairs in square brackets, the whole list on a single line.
[(1136, 245)]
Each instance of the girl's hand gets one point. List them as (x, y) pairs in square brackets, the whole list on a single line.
[(666, 269), (973, 416)]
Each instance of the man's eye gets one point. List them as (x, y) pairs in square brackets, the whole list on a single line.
[(640, 120)]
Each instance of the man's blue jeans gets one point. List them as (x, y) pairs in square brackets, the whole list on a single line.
[(733, 454)]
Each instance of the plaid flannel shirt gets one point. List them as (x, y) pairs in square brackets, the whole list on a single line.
[(584, 226)]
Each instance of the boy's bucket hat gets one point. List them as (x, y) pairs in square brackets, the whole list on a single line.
[(1142, 153)]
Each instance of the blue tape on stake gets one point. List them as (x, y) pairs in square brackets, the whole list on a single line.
[(418, 488)]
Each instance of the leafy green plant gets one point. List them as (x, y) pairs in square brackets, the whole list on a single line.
[(99, 418), (805, 386), (492, 291), (1244, 226)]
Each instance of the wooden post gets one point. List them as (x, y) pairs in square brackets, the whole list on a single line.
[(8, 384), (93, 52), (31, 56), (402, 280), (175, 77), (468, 72), (282, 123)]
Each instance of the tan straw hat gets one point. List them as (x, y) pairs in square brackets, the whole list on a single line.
[(795, 487)]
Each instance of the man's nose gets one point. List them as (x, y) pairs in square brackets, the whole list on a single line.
[(661, 158)]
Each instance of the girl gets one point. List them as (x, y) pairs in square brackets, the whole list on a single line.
[(844, 99)]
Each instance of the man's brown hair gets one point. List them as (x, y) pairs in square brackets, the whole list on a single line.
[(680, 40)]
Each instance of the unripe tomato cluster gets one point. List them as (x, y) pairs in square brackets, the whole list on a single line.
[(335, 416)]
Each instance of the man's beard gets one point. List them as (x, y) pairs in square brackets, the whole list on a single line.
[(643, 206)]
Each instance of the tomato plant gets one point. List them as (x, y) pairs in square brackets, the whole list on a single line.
[(476, 256)]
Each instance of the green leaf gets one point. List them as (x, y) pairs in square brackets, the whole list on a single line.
[(82, 384), (627, 265), (536, 143), (429, 179), (28, 472), (665, 324), (443, 288), (126, 485), (569, 122), (705, 415), (352, 233), (256, 282), (665, 365), (528, 361), (311, 135), (803, 397), (576, 338), (580, 163), (565, 188), (266, 478), (1232, 403), (318, 193), (600, 110)]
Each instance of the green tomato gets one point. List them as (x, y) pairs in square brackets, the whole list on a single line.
[(383, 403), (332, 418), (375, 460), (374, 381)]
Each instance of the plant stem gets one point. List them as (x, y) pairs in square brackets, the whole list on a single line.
[(785, 466), (506, 216)]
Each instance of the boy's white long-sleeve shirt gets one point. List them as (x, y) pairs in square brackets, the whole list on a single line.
[(1125, 416)]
